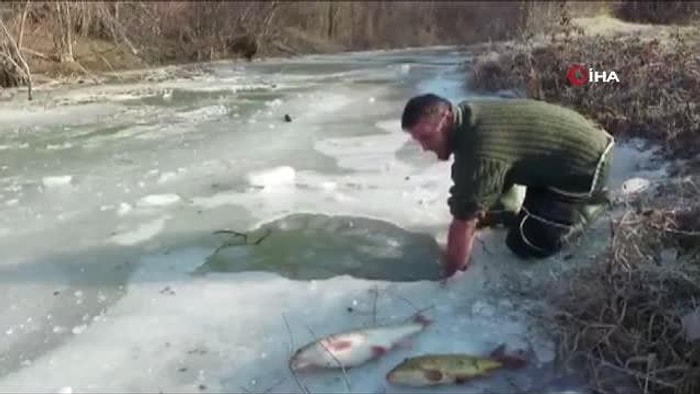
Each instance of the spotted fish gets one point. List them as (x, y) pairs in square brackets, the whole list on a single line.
[(440, 369)]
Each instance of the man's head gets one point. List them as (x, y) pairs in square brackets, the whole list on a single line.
[(428, 118)]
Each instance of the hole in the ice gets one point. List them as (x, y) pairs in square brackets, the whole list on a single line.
[(316, 246)]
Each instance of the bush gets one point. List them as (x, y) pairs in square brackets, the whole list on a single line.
[(656, 98), (624, 316), (657, 12)]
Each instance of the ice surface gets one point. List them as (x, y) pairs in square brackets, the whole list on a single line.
[(61, 180), (272, 177), (110, 195), (155, 200)]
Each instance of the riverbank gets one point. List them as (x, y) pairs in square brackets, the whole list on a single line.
[(73, 41), (629, 316)]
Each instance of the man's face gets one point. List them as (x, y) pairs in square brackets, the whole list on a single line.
[(430, 133)]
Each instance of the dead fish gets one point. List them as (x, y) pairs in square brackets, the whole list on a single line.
[(439, 369), (353, 348)]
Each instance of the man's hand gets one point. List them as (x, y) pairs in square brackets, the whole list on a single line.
[(459, 244), (452, 275)]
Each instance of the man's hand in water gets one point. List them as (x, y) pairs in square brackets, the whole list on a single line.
[(452, 277), (460, 241)]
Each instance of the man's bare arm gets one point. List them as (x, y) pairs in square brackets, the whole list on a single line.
[(460, 240)]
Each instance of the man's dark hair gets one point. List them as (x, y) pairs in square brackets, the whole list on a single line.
[(419, 107)]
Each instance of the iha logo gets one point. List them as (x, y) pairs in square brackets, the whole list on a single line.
[(579, 75)]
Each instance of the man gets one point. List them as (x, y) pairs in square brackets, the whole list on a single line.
[(559, 157)]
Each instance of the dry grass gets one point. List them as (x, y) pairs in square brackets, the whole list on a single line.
[(659, 81), (623, 315), (657, 12)]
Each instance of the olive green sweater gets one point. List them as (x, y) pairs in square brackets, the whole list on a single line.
[(500, 142)]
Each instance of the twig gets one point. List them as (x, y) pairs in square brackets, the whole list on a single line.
[(635, 374), (375, 295), (646, 380), (267, 234), (38, 54), (106, 62), (340, 364), (413, 316), (232, 232), (279, 382), (245, 236), (20, 35), (678, 232), (301, 386), (483, 246), (406, 300), (15, 57)]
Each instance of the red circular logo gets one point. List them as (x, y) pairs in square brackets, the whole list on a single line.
[(577, 75)]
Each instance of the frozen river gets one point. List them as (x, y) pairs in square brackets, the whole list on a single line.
[(111, 276)]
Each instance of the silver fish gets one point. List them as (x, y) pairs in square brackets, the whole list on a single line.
[(353, 348)]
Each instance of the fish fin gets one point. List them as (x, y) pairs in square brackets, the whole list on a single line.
[(420, 319), (510, 361), (339, 344), (300, 366), (378, 351), (513, 361), (405, 343), (461, 379), (500, 351), (433, 375)]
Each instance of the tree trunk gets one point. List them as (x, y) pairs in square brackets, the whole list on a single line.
[(63, 40), (18, 51), (20, 72), (331, 20)]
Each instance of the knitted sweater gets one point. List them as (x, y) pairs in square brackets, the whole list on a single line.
[(497, 143)]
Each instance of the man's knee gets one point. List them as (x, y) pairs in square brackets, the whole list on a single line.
[(525, 251), (531, 238)]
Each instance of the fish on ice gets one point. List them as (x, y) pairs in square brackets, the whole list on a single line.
[(353, 348), (455, 368)]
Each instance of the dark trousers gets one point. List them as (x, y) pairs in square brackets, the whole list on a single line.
[(549, 218), (548, 221)]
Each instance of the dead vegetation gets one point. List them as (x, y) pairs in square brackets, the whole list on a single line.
[(628, 315), (71, 38), (659, 79), (14, 70), (657, 12)]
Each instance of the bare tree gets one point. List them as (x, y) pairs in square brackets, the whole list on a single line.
[(177, 31), (10, 53)]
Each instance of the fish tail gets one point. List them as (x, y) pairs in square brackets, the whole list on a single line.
[(509, 361)]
